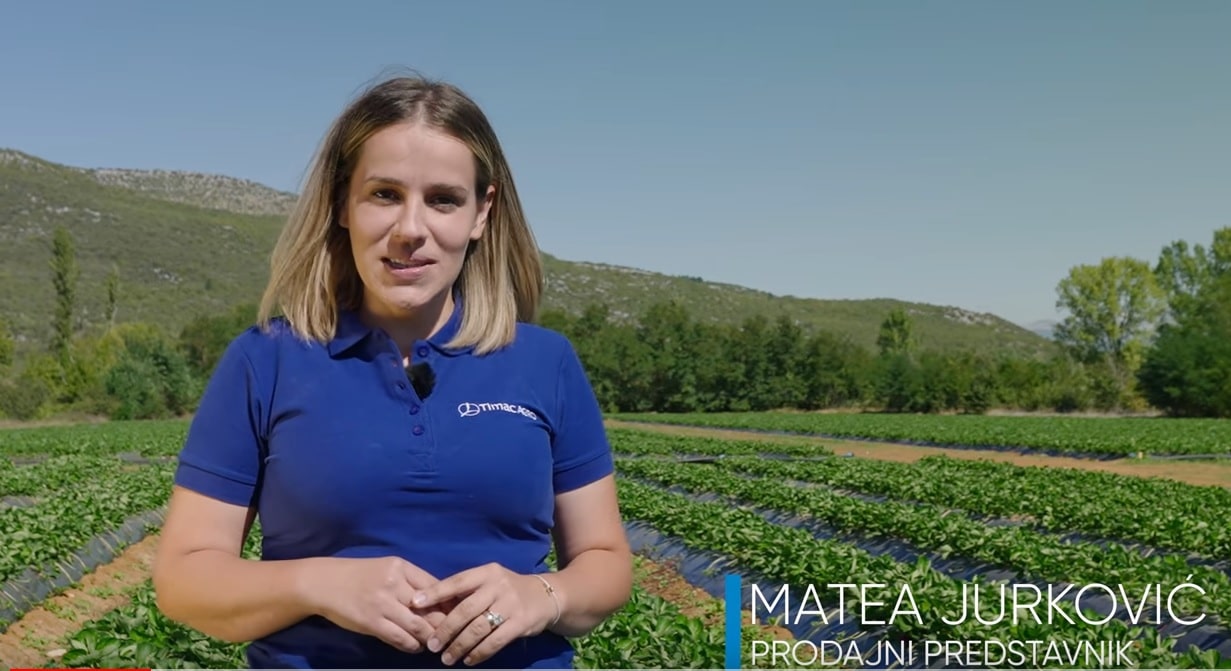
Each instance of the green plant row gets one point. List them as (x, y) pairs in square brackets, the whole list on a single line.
[(1032, 554), (43, 535), (150, 439), (1162, 513), (54, 473), (795, 557), (648, 632), (1124, 436)]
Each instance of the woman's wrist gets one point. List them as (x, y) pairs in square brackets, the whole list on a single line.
[(549, 587)]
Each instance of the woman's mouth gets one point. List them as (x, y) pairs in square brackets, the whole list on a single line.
[(406, 267)]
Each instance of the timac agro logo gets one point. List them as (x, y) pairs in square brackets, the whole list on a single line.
[(472, 409)]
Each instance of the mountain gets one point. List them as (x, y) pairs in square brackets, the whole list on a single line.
[(187, 244)]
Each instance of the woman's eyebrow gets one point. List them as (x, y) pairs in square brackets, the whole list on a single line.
[(451, 189), (379, 179)]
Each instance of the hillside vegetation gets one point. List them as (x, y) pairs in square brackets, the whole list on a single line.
[(121, 288), (186, 245), (174, 261)]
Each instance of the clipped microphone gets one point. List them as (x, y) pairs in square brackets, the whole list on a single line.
[(422, 378)]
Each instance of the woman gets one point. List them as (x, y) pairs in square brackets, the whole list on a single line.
[(411, 443)]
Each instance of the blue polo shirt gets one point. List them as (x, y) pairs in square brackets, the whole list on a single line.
[(342, 458)]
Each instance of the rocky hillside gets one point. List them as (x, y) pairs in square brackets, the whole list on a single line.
[(187, 244), (191, 188)]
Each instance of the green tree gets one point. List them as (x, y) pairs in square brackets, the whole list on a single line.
[(898, 383), (152, 377), (755, 389), (670, 334), (896, 334), (1188, 371), (835, 370), (64, 276), (785, 356), (1185, 271), (204, 339), (113, 294), (7, 346), (1113, 308)]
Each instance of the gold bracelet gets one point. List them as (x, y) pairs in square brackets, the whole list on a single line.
[(552, 592)]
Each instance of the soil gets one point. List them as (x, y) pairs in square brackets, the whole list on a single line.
[(33, 641), (1213, 473), (664, 581)]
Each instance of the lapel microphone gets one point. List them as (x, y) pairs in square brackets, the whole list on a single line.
[(422, 378)]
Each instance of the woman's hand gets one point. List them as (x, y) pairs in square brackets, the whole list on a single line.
[(467, 633), (373, 597)]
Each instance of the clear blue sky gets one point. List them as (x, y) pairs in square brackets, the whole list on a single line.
[(958, 153)]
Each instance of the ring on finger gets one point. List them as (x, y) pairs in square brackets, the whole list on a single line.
[(494, 619)]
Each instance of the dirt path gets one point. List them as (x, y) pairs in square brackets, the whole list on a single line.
[(1216, 473), (664, 581), (37, 639)]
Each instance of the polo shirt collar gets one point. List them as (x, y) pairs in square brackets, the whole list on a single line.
[(351, 331)]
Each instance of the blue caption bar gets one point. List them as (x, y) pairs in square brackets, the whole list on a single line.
[(733, 625)]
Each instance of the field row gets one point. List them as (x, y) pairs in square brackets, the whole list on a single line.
[(1033, 555), (1162, 513), (62, 495), (650, 632), (1106, 437)]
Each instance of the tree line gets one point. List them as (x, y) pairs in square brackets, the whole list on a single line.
[(1136, 336), (1161, 330)]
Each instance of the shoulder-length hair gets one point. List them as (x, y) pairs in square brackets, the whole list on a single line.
[(312, 270)]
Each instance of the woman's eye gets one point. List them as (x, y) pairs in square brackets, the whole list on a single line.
[(385, 194)]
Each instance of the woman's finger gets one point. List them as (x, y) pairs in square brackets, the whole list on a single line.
[(414, 624), (417, 576), (475, 632), (454, 586), (396, 635), (459, 619), (494, 641)]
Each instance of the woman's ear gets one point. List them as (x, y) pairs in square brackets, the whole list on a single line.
[(485, 210)]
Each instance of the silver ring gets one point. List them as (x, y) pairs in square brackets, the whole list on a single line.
[(494, 619)]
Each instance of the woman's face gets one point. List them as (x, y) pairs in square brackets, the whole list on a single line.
[(411, 212)]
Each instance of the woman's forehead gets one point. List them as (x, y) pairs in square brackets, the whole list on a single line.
[(406, 154)]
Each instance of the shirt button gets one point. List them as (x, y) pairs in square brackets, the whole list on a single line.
[(418, 430), (414, 409), (422, 352)]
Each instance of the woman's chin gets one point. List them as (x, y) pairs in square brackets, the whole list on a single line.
[(405, 300)]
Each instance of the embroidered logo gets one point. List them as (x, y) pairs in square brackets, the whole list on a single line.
[(472, 409)]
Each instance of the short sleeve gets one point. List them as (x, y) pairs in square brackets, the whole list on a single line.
[(580, 447), (222, 455)]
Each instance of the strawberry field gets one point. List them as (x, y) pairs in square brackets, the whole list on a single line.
[(1078, 436), (772, 513)]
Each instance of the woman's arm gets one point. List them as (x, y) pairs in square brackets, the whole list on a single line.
[(596, 574), (201, 580)]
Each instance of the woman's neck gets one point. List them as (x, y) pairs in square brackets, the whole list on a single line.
[(408, 327)]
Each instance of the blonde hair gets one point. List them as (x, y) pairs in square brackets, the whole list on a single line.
[(312, 270)]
